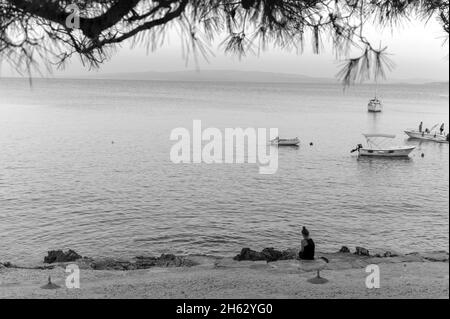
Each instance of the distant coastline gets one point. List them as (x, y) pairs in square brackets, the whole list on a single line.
[(235, 76)]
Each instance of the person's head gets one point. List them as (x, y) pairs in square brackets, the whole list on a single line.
[(305, 232)]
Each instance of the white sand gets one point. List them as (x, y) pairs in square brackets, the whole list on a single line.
[(228, 279)]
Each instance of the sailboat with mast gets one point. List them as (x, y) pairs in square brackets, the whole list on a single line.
[(375, 104)]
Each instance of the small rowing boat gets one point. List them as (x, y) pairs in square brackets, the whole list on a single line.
[(286, 142)]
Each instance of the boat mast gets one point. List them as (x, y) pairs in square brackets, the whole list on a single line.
[(376, 88)]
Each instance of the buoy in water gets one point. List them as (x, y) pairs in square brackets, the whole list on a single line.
[(423, 155), (311, 144)]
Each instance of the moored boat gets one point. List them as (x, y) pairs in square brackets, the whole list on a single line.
[(375, 106), (432, 136), (376, 147), (286, 142)]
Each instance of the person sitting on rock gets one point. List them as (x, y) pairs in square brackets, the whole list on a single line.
[(308, 249)]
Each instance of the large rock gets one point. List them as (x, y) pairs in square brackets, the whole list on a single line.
[(141, 262), (344, 250), (112, 264), (59, 256), (163, 261), (360, 251), (290, 254), (249, 255), (268, 254)]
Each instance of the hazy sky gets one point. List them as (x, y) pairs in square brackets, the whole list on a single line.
[(416, 49)]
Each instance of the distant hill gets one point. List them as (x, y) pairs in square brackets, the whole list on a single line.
[(417, 81), (438, 83), (216, 76), (237, 76)]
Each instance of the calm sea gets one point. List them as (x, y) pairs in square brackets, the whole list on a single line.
[(85, 165)]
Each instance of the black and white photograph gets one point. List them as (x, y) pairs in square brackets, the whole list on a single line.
[(225, 151)]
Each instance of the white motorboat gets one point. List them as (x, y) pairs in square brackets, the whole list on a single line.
[(286, 142), (435, 137), (428, 135), (377, 148), (375, 106)]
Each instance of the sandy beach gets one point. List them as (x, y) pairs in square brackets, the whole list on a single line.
[(408, 276)]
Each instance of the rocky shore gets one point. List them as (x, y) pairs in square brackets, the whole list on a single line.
[(269, 273), (344, 256)]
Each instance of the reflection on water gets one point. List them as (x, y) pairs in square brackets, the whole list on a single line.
[(63, 184), (373, 119), (384, 161)]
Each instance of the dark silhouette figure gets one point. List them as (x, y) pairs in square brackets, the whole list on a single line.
[(308, 249)]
